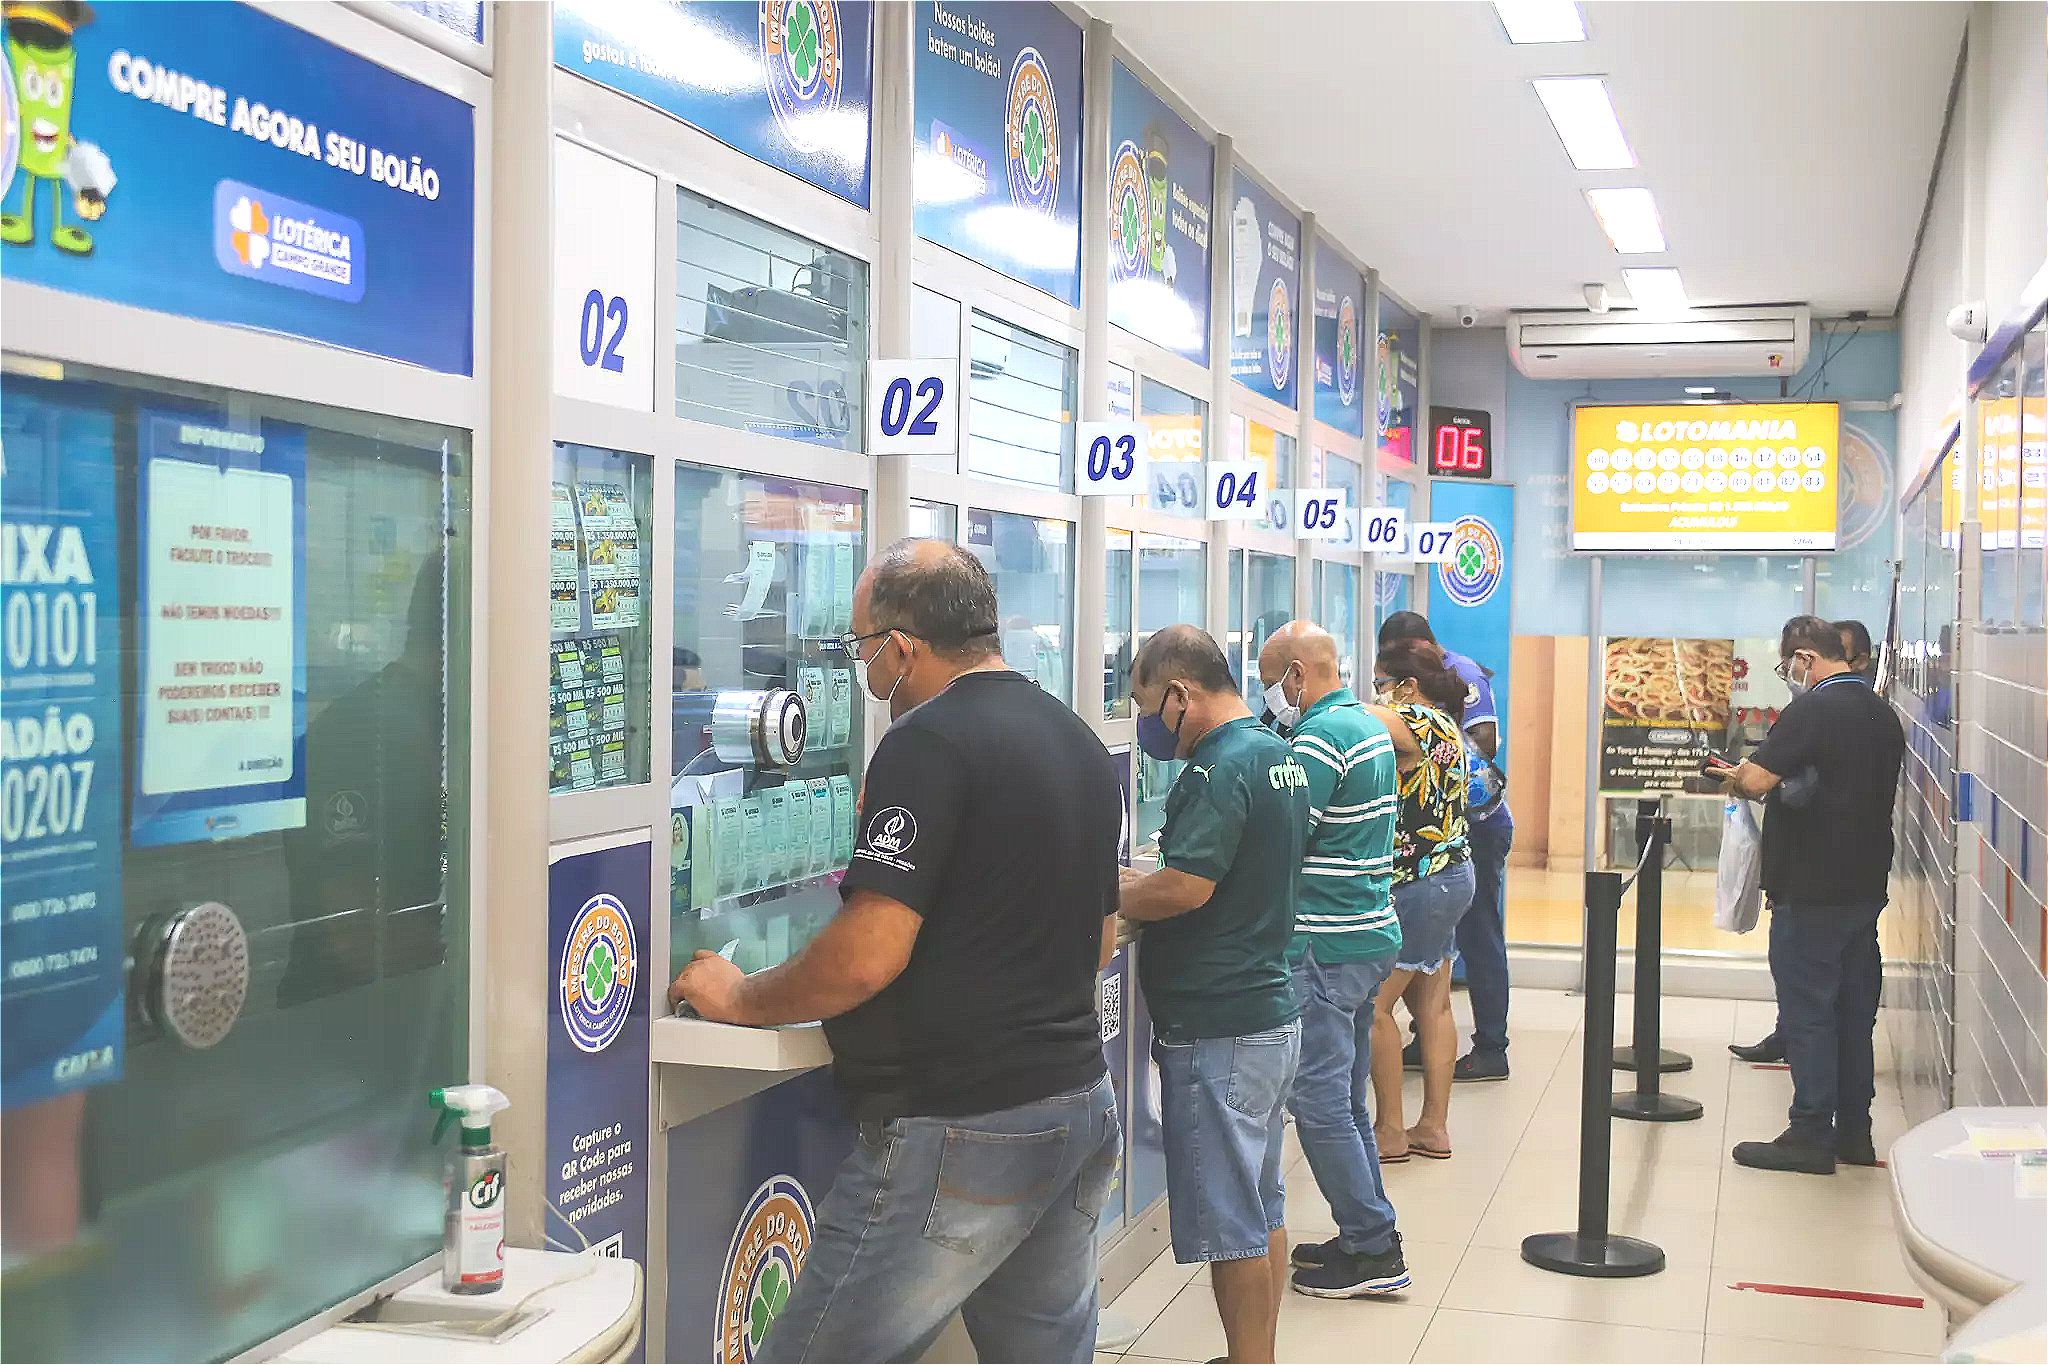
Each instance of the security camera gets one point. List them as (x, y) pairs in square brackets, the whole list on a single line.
[(1966, 322), (1468, 316)]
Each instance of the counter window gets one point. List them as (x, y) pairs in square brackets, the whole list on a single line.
[(1172, 588), (598, 654), (1031, 560), (1336, 599), (764, 576), (1261, 594), (771, 328), (1176, 422), (1392, 592), (1020, 406), (1273, 452), (1116, 628), (1341, 471), (933, 520), (255, 620)]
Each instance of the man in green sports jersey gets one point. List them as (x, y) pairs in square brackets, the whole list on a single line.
[(1346, 938)]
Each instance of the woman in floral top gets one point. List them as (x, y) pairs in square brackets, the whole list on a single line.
[(1422, 703)]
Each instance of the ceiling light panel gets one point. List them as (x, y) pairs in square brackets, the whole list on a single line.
[(1541, 21), (1656, 290), (1583, 115), (1629, 218)]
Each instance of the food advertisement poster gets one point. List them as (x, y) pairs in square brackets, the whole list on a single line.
[(1706, 476), (61, 949), (1399, 379), (221, 574), (216, 163), (785, 82), (1665, 708), (1161, 177), (1340, 303), (601, 979), (997, 175), (1265, 291)]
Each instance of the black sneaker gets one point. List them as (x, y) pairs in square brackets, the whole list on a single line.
[(1481, 1066), (1770, 1048), (1348, 1276), (1789, 1151), (1309, 1255), (1411, 1055), (1855, 1151)]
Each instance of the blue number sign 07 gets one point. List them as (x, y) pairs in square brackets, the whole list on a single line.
[(590, 334), (898, 405)]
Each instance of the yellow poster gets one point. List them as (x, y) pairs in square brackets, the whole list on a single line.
[(2034, 475), (1706, 476), (1998, 462)]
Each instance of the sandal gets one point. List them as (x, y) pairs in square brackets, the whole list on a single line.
[(1432, 1153)]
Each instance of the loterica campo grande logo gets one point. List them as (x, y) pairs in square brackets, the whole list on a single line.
[(1347, 351), (1279, 335), (769, 1244), (1032, 134), (1474, 571), (599, 963), (803, 57)]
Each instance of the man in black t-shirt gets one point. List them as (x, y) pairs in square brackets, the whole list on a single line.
[(958, 985), (1826, 864)]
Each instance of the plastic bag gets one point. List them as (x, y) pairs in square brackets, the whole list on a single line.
[(1738, 894)]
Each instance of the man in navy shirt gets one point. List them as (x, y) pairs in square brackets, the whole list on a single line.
[(1482, 932)]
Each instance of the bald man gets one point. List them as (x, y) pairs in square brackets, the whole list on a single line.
[(1346, 938)]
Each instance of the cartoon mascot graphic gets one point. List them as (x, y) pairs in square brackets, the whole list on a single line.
[(35, 126)]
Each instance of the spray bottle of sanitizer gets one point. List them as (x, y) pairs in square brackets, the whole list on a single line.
[(473, 1229)]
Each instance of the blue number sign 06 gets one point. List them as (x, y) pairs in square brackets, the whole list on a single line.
[(590, 337), (1382, 531)]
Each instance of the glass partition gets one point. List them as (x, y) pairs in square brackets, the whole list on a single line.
[(1175, 421), (598, 654), (933, 520), (764, 577), (1116, 628), (1261, 594), (1336, 597), (771, 328), (258, 621), (1020, 406), (1392, 592), (1172, 588), (1031, 560), (1273, 452)]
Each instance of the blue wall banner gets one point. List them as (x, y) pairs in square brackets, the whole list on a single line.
[(742, 1200), (1161, 178), (221, 578), (1265, 291), (1400, 378), (998, 168), (61, 969), (784, 81), (600, 981), (1340, 310), (462, 20), (1469, 608), (216, 163)]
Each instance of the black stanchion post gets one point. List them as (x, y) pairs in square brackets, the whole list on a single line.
[(1591, 1250), (1647, 1101), (1649, 966)]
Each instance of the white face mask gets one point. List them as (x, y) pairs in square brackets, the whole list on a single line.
[(1286, 714), (866, 664)]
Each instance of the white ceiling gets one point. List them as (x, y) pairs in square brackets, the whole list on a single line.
[(1788, 142)]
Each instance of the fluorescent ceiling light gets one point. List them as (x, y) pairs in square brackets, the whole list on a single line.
[(1629, 217), (1541, 21), (1701, 390), (1584, 118), (1656, 290)]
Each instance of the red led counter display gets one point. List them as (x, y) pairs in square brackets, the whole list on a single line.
[(1461, 442)]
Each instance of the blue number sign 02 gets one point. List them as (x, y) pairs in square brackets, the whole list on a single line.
[(590, 335), (898, 405)]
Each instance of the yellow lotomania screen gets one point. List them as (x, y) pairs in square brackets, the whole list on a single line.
[(1706, 476)]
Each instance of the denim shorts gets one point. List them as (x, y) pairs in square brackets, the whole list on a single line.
[(1429, 910), (1221, 1112)]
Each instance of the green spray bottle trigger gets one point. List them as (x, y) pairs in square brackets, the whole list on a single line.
[(473, 1105)]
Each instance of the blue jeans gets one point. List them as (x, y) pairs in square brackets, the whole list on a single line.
[(1225, 1166), (1329, 1097), (1429, 909), (1829, 974), (992, 1215), (1483, 940)]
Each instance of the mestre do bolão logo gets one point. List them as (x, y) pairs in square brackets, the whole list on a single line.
[(769, 1246), (803, 55), (599, 963)]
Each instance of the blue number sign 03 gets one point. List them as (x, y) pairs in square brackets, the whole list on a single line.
[(590, 337), (897, 405), (1112, 459)]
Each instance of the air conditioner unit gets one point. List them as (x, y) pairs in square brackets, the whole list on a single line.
[(1700, 343)]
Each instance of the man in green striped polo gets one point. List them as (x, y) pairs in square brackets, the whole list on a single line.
[(1345, 941)]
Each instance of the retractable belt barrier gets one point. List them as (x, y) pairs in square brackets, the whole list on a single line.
[(1648, 1057)]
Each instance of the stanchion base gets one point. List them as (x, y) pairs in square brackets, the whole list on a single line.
[(1607, 1258), (1667, 1060), (1658, 1108)]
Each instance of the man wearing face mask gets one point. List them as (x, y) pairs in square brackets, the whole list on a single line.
[(1219, 914), (1346, 937), (958, 987), (1826, 861)]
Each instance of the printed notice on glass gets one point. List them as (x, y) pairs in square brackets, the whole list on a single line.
[(221, 573)]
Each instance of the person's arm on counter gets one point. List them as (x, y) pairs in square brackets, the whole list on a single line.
[(864, 947), (1204, 822), (1150, 896)]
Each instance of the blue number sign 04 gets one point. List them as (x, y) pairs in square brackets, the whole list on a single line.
[(590, 337), (897, 406), (1230, 491)]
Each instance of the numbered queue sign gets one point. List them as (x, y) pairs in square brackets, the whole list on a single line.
[(603, 343), (1430, 541), (1321, 514), (1383, 531), (1237, 490), (1112, 458), (914, 407)]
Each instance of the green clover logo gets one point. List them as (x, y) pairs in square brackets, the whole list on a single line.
[(800, 42), (1127, 230), (771, 1293), (1347, 349), (1471, 560), (599, 971), (1034, 143)]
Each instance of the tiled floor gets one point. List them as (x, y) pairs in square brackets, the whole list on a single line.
[(1516, 1172)]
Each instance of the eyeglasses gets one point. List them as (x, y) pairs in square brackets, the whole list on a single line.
[(1382, 684), (1784, 668), (849, 644)]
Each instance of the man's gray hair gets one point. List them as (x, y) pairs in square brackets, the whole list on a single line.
[(943, 598)]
